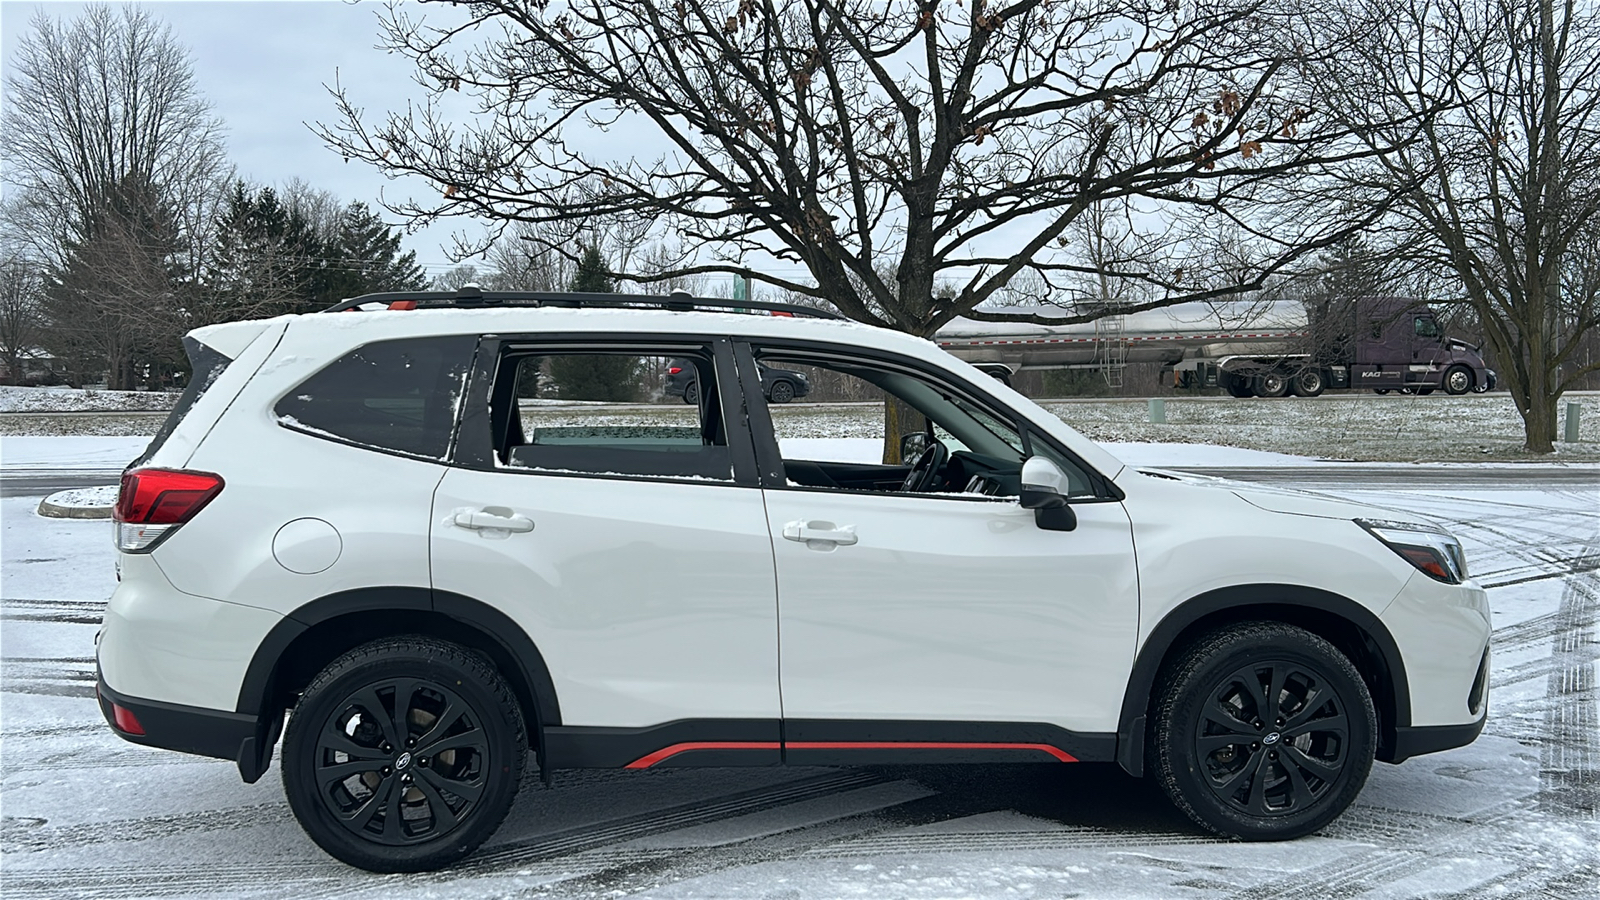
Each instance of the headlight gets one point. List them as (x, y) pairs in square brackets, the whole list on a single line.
[(1432, 550)]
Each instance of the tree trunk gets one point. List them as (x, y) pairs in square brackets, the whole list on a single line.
[(899, 420)]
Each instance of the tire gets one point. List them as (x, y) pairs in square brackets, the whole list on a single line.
[(1240, 387), (415, 812), (1308, 383), (1380, 390), (1458, 380), (691, 394), (1423, 392), (1271, 384), (780, 392), (1320, 763)]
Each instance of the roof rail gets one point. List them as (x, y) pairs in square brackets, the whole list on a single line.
[(472, 297)]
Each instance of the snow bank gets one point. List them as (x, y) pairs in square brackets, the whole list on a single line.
[(44, 400), (28, 452)]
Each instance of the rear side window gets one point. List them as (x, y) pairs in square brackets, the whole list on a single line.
[(206, 365), (399, 396)]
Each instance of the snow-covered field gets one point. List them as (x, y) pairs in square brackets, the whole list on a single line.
[(1516, 814), (1398, 428)]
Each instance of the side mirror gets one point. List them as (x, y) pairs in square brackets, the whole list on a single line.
[(912, 445), (1041, 492)]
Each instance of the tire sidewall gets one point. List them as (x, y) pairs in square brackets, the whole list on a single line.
[(1449, 377), (1180, 766), (781, 392), (324, 697)]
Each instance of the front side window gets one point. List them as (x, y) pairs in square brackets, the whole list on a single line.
[(400, 396), (866, 424), (1427, 327), (626, 411)]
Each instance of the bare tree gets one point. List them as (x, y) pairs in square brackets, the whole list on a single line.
[(21, 283), (98, 110), (1507, 180), (885, 147)]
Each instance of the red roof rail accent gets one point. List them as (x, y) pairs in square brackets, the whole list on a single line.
[(403, 304)]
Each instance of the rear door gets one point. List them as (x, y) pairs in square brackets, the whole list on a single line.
[(624, 531)]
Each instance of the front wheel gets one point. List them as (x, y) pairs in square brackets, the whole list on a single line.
[(403, 755), (781, 392), (1458, 380), (1263, 731)]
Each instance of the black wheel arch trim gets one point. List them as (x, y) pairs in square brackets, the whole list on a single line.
[(1257, 601), (260, 684)]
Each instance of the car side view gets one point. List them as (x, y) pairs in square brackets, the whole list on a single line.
[(779, 385), (364, 533)]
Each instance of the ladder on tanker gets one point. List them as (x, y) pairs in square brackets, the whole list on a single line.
[(1111, 348)]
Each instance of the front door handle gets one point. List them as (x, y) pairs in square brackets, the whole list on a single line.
[(822, 532), (492, 517)]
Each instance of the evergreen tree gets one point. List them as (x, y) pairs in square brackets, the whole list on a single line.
[(363, 257), (613, 378), (263, 263)]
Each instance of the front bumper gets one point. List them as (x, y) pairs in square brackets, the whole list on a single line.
[(247, 740)]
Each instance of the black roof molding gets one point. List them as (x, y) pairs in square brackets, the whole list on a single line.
[(473, 297)]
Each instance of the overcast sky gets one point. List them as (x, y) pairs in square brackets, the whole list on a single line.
[(263, 66)]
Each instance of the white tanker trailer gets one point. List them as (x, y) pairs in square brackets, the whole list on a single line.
[(1248, 349)]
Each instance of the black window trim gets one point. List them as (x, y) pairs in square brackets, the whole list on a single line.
[(474, 448), (330, 437), (771, 460)]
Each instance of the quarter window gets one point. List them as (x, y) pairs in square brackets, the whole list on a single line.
[(399, 396)]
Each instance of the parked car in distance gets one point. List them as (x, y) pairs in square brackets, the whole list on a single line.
[(351, 521), (779, 385)]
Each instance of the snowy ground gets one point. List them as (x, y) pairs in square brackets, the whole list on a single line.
[(1395, 428), (1513, 815)]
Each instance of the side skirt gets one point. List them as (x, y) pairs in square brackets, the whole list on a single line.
[(815, 742)]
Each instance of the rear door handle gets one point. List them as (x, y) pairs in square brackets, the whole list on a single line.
[(495, 518), (825, 532)]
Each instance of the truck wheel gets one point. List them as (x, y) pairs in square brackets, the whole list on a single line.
[(1271, 385), (1308, 383), (1263, 731), (404, 754), (1240, 387), (1423, 392), (1458, 380), (1380, 390)]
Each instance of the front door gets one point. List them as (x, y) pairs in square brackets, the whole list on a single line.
[(942, 617)]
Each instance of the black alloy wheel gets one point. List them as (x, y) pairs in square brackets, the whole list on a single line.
[(780, 392), (691, 394), (403, 755), (1266, 732)]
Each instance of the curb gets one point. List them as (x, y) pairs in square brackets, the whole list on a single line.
[(46, 508)]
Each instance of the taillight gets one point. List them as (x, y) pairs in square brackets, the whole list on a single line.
[(674, 370), (154, 502)]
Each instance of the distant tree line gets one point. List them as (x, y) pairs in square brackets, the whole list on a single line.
[(124, 225)]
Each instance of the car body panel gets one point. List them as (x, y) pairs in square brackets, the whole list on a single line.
[(954, 609), (651, 600)]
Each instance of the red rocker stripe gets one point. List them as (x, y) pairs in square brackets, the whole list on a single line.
[(645, 762)]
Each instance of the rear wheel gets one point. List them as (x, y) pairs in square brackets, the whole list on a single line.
[(1240, 387), (1308, 383), (403, 755), (1458, 380), (1271, 384), (1380, 390), (1263, 731), (691, 394)]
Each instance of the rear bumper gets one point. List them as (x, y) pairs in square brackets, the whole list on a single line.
[(247, 740)]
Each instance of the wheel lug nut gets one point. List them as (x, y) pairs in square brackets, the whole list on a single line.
[(405, 779), (411, 742), (385, 771), (385, 747), (1271, 755), (422, 761)]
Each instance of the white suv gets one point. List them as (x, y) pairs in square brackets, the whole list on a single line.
[(402, 523)]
